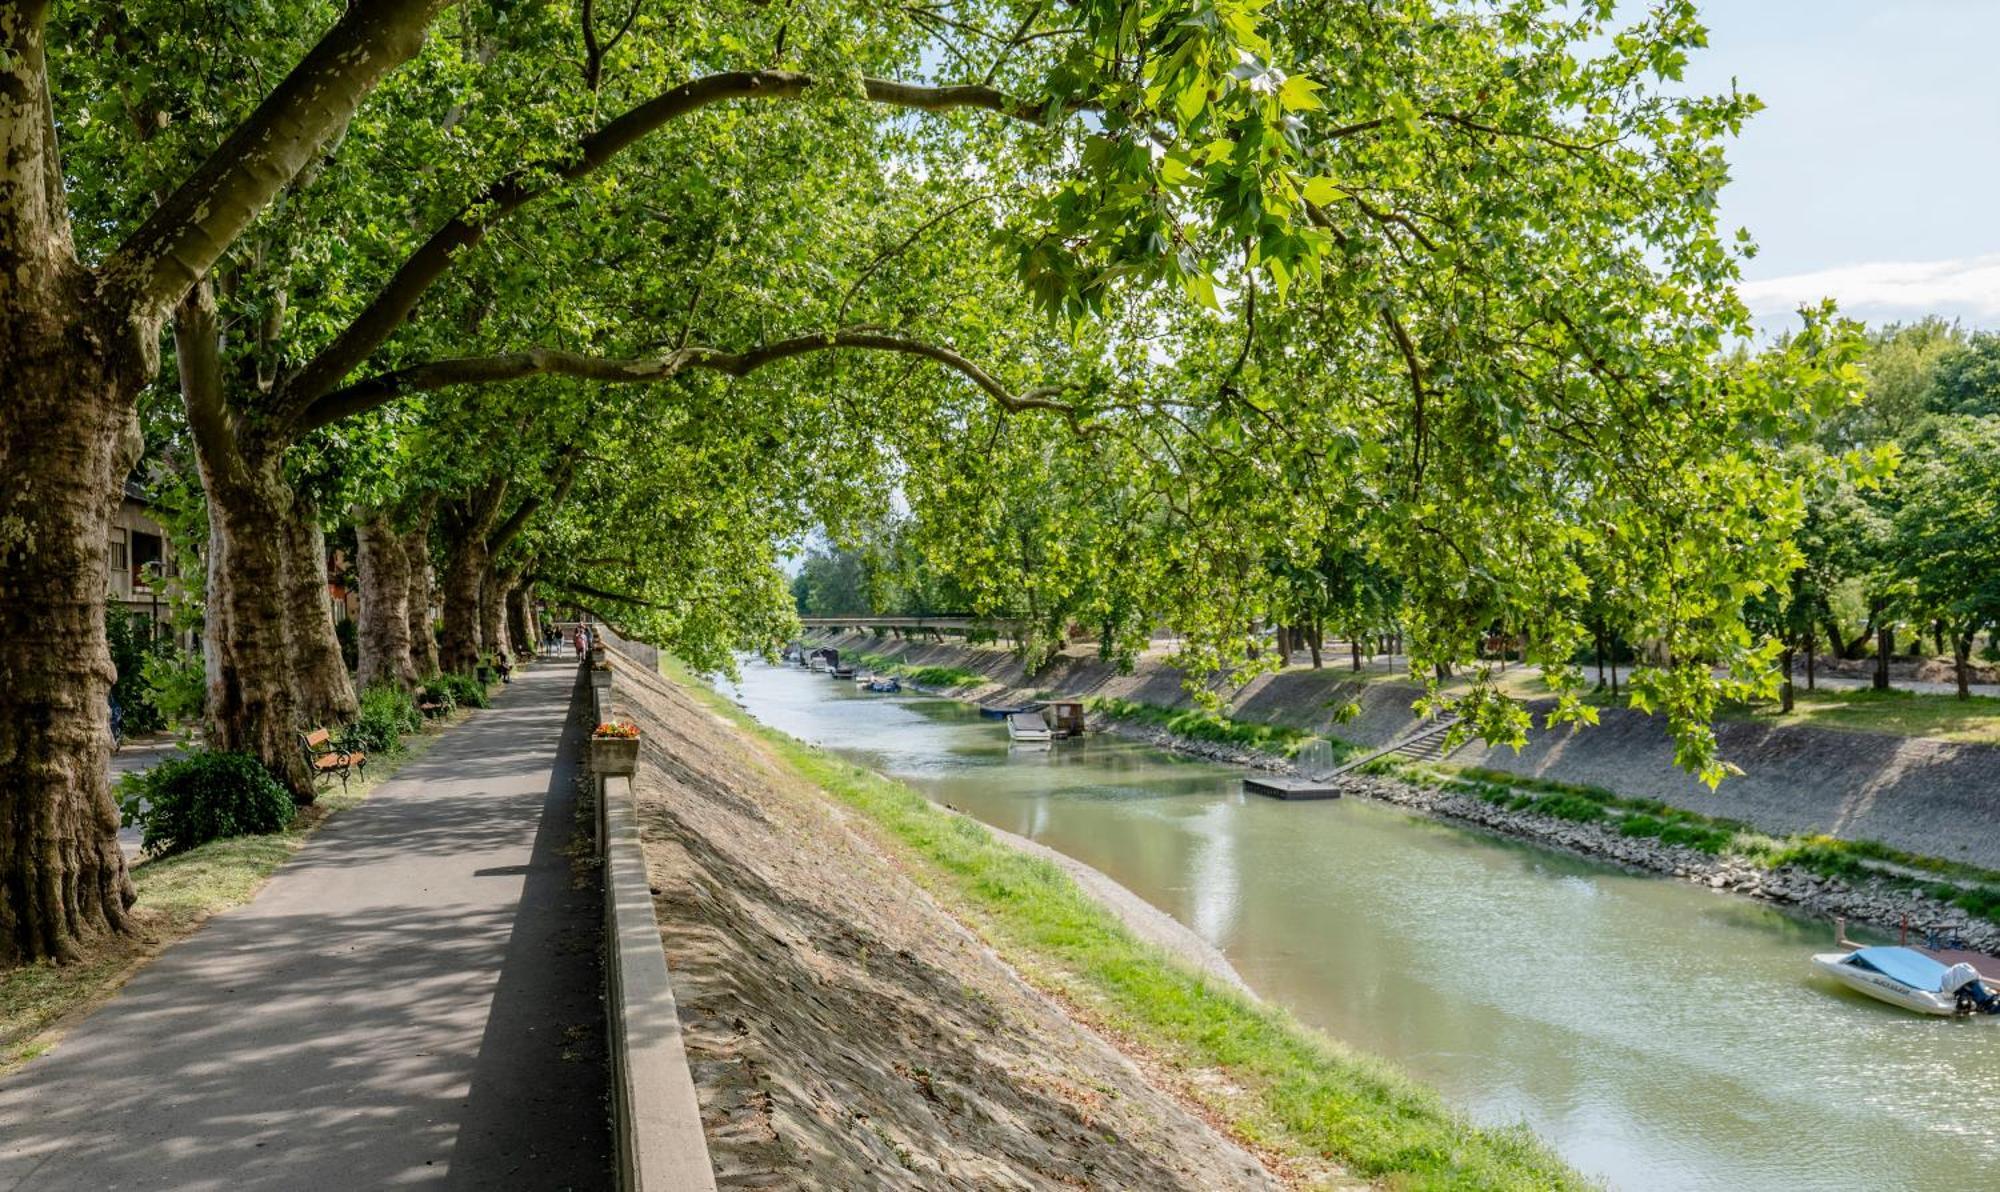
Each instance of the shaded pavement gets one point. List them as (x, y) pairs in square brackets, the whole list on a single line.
[(413, 999)]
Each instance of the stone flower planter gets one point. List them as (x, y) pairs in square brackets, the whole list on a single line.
[(596, 654), (613, 756), (600, 677)]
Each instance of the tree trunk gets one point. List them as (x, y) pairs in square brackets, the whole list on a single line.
[(521, 625), (1354, 649), (1885, 645), (1812, 650), (465, 568), (1961, 658), (1315, 641), (467, 562), (274, 667), (69, 377), (1785, 694), (493, 636), (67, 439), (385, 603), (417, 557), (326, 690)]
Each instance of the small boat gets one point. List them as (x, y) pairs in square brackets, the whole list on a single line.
[(1908, 978), (842, 670), (992, 713), (1028, 726), (887, 686)]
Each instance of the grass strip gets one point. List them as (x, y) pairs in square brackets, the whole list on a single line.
[(1303, 1093), (1195, 724), (924, 676)]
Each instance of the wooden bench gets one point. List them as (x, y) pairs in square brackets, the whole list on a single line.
[(327, 759)]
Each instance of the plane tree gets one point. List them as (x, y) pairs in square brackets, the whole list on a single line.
[(276, 197)]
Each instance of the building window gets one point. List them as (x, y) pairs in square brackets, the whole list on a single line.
[(147, 551), (118, 551)]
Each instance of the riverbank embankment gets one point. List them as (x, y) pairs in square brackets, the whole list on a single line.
[(878, 992), (1934, 799)]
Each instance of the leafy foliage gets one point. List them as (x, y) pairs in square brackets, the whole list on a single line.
[(132, 646), (193, 798), (465, 691), (387, 713), (175, 684)]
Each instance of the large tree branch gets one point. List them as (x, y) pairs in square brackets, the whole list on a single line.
[(486, 370), (393, 304), (188, 232), (564, 477)]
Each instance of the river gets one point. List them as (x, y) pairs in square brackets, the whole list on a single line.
[(1661, 1036)]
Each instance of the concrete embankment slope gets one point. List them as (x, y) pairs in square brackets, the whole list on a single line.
[(1936, 798), (842, 1030)]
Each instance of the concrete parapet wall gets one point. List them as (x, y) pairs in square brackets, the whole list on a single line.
[(656, 1117)]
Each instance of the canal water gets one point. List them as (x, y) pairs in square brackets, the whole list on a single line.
[(1661, 1036)]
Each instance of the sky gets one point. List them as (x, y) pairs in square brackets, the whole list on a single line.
[(1873, 174)]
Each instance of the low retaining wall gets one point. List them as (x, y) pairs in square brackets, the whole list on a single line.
[(656, 1117)]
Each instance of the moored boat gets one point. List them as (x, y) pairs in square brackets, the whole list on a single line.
[(1028, 727), (1910, 979)]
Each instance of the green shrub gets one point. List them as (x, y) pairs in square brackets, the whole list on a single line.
[(1705, 838), (1639, 825), (466, 691), (386, 714), (193, 798), (436, 691), (1575, 808), (175, 684)]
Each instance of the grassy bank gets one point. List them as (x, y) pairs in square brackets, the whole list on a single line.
[(923, 676), (1896, 713), (1297, 1092), (1194, 724), (176, 895), (1969, 887)]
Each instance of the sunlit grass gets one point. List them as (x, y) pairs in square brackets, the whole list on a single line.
[(1300, 1092), (1901, 713), (1281, 739)]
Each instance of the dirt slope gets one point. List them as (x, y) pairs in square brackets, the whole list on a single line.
[(845, 1033)]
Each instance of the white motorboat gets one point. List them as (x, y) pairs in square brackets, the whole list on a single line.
[(1908, 978), (1028, 726)]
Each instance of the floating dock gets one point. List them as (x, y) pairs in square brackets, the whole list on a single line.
[(1278, 787)]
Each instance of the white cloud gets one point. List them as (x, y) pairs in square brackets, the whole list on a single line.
[(1967, 288)]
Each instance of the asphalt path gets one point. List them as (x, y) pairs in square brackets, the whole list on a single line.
[(412, 1000)]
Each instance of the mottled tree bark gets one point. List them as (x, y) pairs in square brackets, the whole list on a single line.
[(274, 666), (521, 624), (417, 555), (493, 635), (466, 525), (384, 631), (76, 346), (70, 371)]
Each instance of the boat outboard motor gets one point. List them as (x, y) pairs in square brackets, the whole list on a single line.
[(1961, 981)]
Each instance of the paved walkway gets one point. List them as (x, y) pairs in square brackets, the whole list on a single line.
[(412, 1000)]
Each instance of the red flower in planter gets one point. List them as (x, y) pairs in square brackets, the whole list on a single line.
[(617, 728)]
